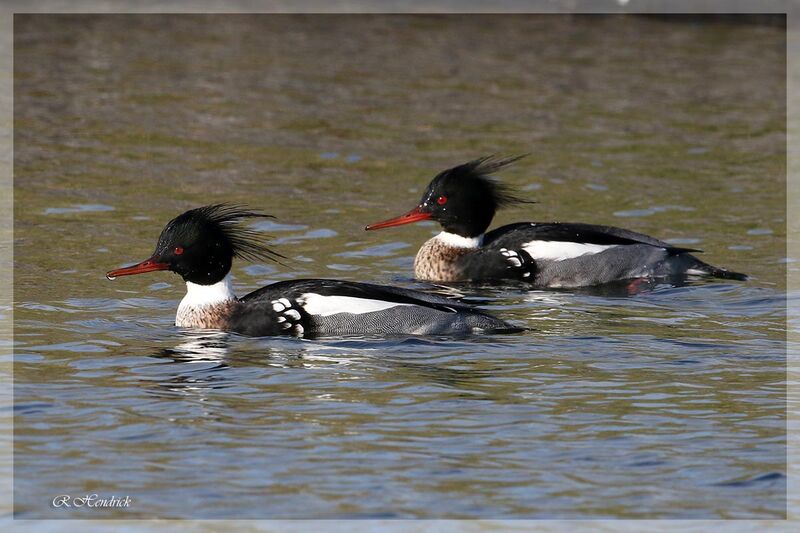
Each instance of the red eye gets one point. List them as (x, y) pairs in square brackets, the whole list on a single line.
[(178, 250), (441, 200)]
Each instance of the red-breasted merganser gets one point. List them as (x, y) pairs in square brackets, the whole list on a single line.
[(464, 199), (200, 245)]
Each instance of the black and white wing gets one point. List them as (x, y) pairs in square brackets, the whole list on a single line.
[(333, 307), (556, 241)]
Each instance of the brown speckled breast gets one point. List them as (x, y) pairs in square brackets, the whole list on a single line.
[(435, 261), (206, 317)]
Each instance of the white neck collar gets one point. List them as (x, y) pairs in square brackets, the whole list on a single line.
[(457, 241), (203, 295)]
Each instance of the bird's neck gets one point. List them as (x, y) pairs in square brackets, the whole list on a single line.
[(201, 301), (454, 240), (437, 259)]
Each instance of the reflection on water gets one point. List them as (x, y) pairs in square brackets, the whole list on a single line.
[(200, 346), (645, 400)]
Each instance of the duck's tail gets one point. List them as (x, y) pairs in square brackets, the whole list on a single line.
[(705, 269)]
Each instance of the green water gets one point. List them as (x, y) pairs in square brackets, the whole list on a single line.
[(666, 404)]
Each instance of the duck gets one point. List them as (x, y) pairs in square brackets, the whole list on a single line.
[(200, 245), (464, 199)]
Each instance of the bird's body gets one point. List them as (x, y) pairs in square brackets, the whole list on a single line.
[(200, 245), (464, 200)]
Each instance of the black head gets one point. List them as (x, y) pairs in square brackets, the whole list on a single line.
[(201, 243), (463, 199)]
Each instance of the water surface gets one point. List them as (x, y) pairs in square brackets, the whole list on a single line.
[(668, 403)]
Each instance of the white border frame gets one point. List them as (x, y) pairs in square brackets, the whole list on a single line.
[(9, 7)]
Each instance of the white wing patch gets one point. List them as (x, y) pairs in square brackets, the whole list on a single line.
[(560, 250), (512, 257), (288, 318), (319, 305)]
